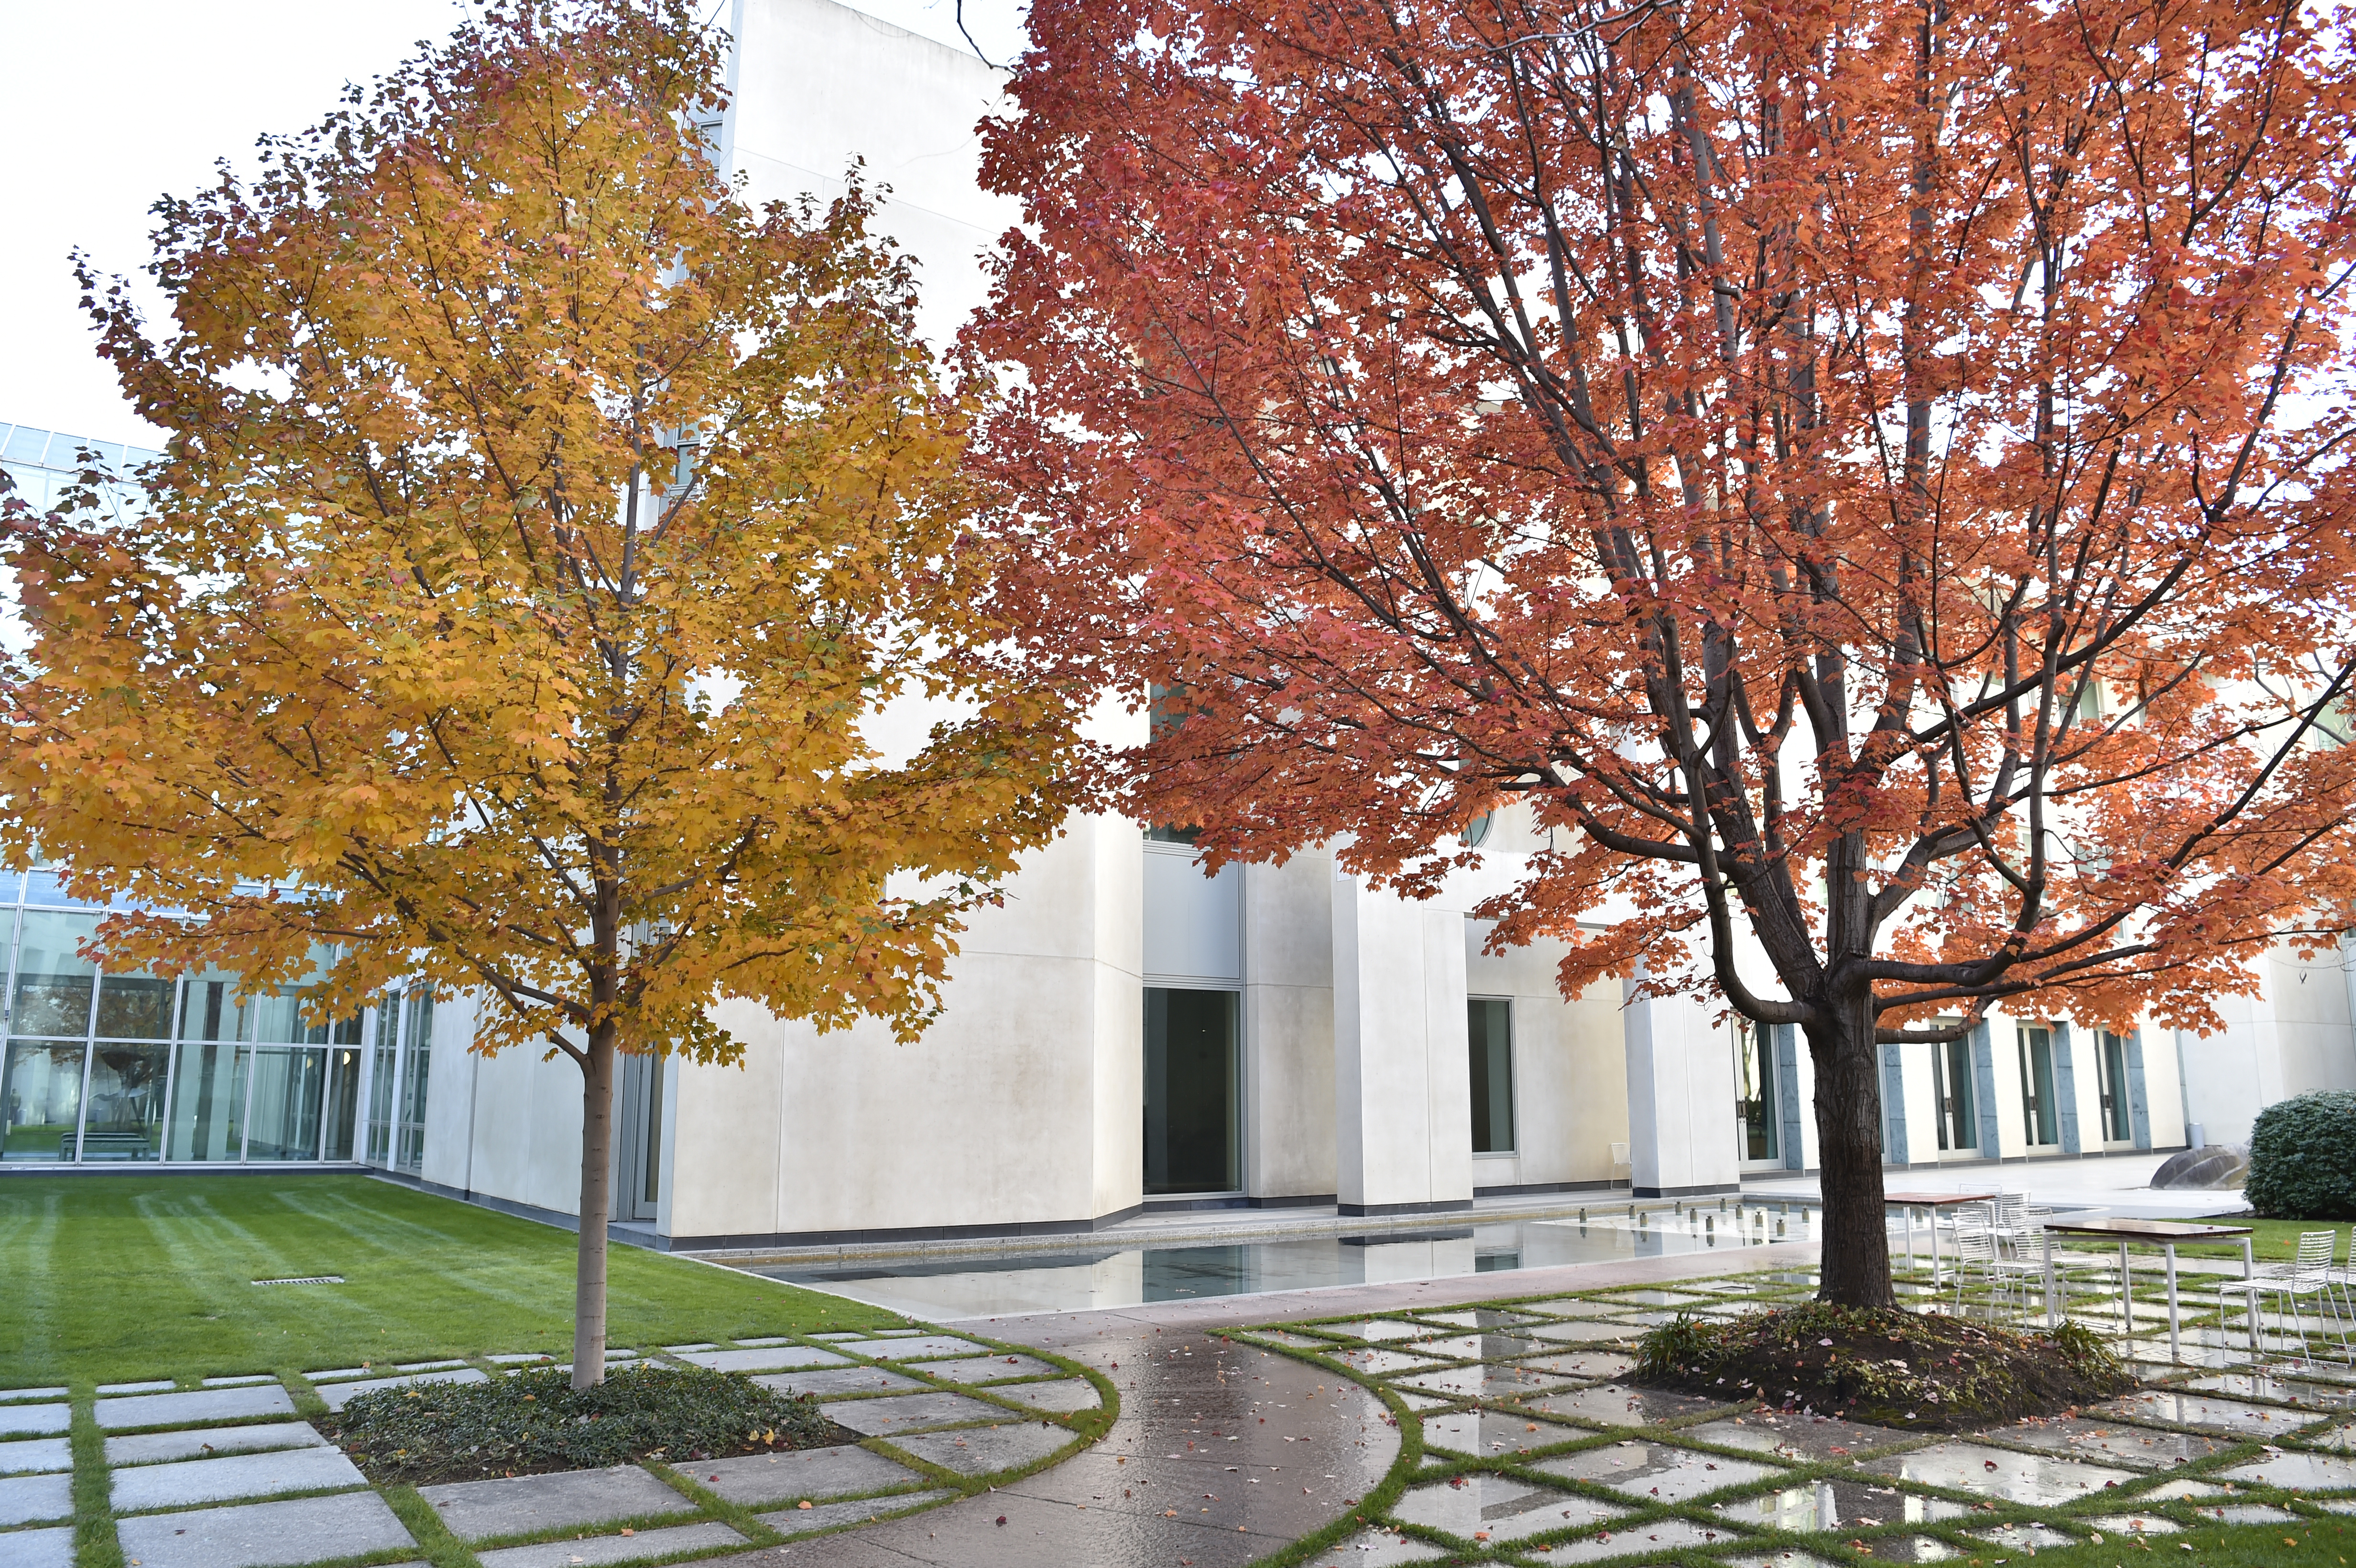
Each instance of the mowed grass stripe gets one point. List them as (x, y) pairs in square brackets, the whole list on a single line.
[(118, 1277)]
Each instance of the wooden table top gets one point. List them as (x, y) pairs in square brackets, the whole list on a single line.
[(2152, 1229)]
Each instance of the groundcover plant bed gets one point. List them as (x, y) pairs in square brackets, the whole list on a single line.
[(536, 1420), (1907, 1370)]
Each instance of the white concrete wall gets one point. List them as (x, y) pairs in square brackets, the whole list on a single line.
[(1570, 1099), (1403, 1108), (817, 84), (1680, 1086), (1288, 1023)]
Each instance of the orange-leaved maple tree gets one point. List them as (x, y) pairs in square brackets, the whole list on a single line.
[(539, 529), (1871, 478)]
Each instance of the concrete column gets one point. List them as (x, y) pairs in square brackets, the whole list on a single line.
[(1681, 1134), (1402, 1089)]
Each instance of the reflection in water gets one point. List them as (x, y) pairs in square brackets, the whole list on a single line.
[(997, 1284)]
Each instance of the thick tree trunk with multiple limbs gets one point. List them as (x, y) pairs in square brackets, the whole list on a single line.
[(1855, 1268), (1861, 475)]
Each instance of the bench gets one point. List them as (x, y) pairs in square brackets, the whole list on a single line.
[(107, 1146)]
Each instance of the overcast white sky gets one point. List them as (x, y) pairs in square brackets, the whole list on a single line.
[(107, 108)]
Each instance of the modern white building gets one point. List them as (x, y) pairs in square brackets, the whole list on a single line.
[(1126, 1031)]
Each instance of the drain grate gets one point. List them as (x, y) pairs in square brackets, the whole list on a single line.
[(307, 1279)]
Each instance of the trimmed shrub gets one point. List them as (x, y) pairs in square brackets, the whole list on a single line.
[(2303, 1158)]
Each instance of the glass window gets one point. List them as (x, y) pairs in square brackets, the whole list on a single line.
[(54, 982), (1755, 1112), (134, 1007), (40, 1100), (208, 1101), (1489, 1028), (124, 1119), (383, 1070), (2037, 1110), (2111, 1064), (343, 1100), (283, 1086), (1193, 1074), (416, 1059), (1951, 1076)]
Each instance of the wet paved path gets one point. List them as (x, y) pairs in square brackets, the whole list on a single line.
[(1223, 1453)]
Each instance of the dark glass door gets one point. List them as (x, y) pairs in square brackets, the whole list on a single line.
[(1193, 1091)]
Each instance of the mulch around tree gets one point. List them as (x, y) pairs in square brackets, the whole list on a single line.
[(535, 1421), (1924, 1372)]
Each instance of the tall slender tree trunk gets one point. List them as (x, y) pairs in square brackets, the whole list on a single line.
[(1856, 1262), (597, 1202)]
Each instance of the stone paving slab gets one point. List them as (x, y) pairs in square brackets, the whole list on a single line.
[(826, 1516), (1481, 1346), (1998, 1472), (771, 1359), (1615, 1404), (914, 1347), (988, 1369), (338, 1395), (1503, 1508), (1376, 1330), (204, 1442), (1649, 1471), (185, 1409), (1487, 1380), (519, 1505), (35, 1419), (2132, 1524), (1581, 1333), (605, 1549), (263, 1535), (1385, 1363), (1637, 1540), (981, 1450), (40, 1547), (35, 1455), (231, 1479), (151, 1385), (2137, 1447), (1845, 1503), (2028, 1538), (13, 1394), (1810, 1436), (2297, 1472), (1484, 1434), (1484, 1317), (808, 1474), (1064, 1395), (243, 1379), (826, 1381), (1379, 1549), (29, 1499), (2206, 1411), (911, 1412)]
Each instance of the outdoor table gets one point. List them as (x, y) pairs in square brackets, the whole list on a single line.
[(1933, 1201), (2169, 1233)]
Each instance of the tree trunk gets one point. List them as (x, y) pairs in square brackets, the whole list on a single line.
[(1855, 1258), (597, 1200)]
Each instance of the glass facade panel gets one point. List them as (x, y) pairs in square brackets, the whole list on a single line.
[(1489, 1028), (1193, 1079), (1950, 1073), (2111, 1061), (139, 1068), (2038, 1120), (124, 1116), (1755, 1115), (283, 1086), (416, 1059), (207, 1103), (40, 1098), (343, 1100), (54, 982), (134, 1007), (384, 1071)]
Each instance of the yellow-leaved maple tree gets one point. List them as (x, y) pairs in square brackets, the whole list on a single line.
[(539, 528)]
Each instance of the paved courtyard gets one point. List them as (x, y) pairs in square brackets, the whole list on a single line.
[(233, 1473)]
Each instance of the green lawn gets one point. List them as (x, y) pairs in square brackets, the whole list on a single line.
[(107, 1279)]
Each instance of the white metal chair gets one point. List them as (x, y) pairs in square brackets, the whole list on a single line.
[(2310, 1275), (1980, 1245)]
